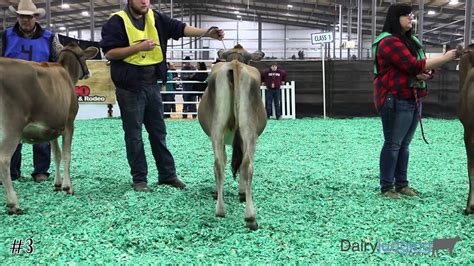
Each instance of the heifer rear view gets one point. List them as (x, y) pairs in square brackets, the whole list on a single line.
[(38, 104), (231, 112), (466, 115)]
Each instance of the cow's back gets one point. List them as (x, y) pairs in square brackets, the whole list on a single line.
[(216, 105), (219, 104), (252, 110)]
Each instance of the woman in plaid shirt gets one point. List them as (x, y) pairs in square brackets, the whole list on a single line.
[(401, 70)]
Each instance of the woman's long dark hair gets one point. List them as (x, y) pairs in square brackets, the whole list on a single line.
[(392, 25)]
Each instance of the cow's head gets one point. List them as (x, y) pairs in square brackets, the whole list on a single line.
[(73, 58), (240, 54)]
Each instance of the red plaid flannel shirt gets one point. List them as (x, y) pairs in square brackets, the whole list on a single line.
[(396, 68)]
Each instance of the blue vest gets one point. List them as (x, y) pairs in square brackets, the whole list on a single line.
[(37, 50)]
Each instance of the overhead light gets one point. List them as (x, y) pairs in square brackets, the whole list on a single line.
[(236, 12), (62, 28), (65, 6), (431, 12), (290, 6), (239, 16), (453, 2), (85, 13)]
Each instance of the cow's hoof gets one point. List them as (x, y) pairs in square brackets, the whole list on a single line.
[(469, 210), (57, 188), (68, 190), (241, 197), (15, 211), (219, 214), (251, 224)]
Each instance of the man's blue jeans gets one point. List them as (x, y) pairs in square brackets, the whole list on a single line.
[(145, 107), (399, 121), (273, 95), (41, 160)]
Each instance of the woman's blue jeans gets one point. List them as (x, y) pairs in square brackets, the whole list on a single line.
[(399, 121)]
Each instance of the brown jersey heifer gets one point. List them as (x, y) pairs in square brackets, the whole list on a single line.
[(232, 112), (38, 104), (466, 115)]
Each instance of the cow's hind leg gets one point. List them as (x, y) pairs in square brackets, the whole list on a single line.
[(66, 156), (237, 162), (219, 171), (246, 171), (7, 147), (469, 142), (57, 164), (241, 188)]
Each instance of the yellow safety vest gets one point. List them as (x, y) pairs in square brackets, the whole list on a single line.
[(143, 58)]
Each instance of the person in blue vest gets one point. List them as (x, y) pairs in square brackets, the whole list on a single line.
[(28, 41), (401, 70), (135, 41)]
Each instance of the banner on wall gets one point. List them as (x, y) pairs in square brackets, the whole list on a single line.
[(99, 88)]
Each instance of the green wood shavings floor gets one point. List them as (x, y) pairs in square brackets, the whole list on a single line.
[(315, 184)]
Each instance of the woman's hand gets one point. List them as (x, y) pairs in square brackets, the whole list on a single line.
[(423, 76)]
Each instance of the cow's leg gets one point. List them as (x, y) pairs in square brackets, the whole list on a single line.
[(469, 142), (66, 156), (7, 147), (219, 170), (246, 171), (57, 164), (241, 188)]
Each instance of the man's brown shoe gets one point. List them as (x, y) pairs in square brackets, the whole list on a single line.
[(40, 178), (410, 192), (391, 194), (141, 187), (175, 182)]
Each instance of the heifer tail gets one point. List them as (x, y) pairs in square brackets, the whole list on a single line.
[(237, 143)]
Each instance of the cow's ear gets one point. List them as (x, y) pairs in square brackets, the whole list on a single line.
[(91, 52), (257, 56), (220, 54)]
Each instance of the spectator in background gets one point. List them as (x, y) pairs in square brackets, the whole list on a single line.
[(201, 77), (170, 86), (301, 54), (273, 78), (28, 41), (187, 75)]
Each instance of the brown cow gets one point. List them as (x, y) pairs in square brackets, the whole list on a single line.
[(466, 115), (231, 112), (38, 104)]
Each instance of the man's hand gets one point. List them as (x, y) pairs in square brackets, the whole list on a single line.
[(146, 45), (216, 34)]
